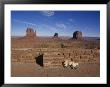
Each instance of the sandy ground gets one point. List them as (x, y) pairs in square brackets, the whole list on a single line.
[(34, 70)]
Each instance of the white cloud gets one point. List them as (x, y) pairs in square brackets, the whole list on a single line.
[(61, 25), (29, 23), (48, 13)]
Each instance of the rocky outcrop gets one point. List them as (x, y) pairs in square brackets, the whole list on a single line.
[(56, 35), (77, 35), (30, 33), (53, 57)]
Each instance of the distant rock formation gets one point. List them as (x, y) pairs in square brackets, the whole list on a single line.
[(77, 35), (56, 35), (30, 33)]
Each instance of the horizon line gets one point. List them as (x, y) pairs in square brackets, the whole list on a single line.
[(53, 36)]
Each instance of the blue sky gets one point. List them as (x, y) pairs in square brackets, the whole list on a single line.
[(46, 23)]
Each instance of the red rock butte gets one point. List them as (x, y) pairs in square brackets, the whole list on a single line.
[(77, 35), (30, 33)]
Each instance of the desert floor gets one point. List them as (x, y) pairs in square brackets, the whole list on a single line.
[(34, 70)]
